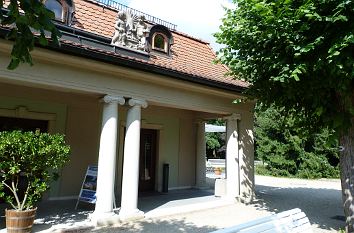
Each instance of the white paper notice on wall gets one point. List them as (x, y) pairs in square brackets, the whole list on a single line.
[(88, 188)]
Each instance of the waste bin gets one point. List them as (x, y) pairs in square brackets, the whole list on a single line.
[(165, 176)]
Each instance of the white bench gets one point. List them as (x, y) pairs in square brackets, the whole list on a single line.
[(291, 221)]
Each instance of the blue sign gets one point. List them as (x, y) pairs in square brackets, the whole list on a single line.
[(88, 188)]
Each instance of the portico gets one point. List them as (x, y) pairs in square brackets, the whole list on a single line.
[(107, 161), (105, 128), (132, 119)]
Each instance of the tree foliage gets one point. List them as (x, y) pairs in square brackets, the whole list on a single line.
[(290, 149), (296, 54), (24, 18), (30, 160)]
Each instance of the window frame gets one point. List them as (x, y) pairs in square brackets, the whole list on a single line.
[(64, 10), (166, 44)]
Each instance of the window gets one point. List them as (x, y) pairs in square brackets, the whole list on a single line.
[(13, 123), (56, 7), (61, 9), (159, 42)]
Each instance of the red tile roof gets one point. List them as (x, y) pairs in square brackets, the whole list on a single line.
[(189, 55)]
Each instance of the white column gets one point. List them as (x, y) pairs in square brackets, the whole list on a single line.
[(232, 157), (130, 184), (107, 158), (200, 156)]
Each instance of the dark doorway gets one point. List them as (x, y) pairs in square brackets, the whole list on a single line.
[(12, 123), (147, 167)]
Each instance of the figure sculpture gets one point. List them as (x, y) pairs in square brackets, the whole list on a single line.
[(141, 32), (119, 36), (130, 27), (130, 31)]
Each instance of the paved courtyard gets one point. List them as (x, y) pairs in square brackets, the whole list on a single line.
[(319, 199)]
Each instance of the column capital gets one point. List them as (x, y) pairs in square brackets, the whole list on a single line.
[(233, 117), (113, 99), (138, 102)]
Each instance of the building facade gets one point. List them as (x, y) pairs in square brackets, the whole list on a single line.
[(131, 93)]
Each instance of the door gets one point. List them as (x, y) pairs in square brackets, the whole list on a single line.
[(147, 166)]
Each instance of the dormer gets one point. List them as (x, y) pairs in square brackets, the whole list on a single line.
[(63, 10), (160, 39)]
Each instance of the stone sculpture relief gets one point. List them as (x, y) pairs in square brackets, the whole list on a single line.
[(130, 31)]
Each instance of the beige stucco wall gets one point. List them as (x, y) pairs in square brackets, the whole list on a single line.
[(77, 117), (83, 135), (176, 144), (187, 153)]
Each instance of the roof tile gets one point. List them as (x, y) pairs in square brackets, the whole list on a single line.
[(189, 55)]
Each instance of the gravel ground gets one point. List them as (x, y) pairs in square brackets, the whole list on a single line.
[(319, 199)]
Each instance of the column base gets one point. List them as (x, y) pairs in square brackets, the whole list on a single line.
[(129, 215), (246, 199), (231, 199), (220, 188), (104, 219)]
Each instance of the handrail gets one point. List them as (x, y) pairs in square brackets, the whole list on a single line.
[(121, 7)]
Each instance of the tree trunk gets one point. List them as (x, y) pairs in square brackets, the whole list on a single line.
[(347, 176)]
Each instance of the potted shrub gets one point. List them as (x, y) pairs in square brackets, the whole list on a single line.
[(29, 161)]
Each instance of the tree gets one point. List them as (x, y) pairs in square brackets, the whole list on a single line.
[(29, 17), (215, 141), (290, 149), (298, 54)]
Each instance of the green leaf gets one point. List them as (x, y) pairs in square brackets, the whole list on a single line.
[(319, 111), (22, 20), (13, 64), (43, 40), (342, 18), (307, 48), (23, 16)]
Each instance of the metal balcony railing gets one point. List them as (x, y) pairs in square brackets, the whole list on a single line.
[(120, 7)]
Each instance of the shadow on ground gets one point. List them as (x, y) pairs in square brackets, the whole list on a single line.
[(51, 213), (322, 206), (150, 201), (55, 213), (152, 226)]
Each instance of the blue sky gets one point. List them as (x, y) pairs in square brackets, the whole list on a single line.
[(198, 18)]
